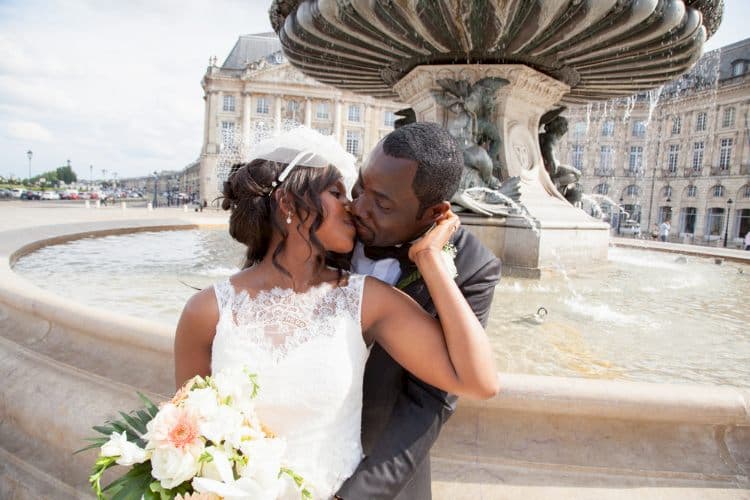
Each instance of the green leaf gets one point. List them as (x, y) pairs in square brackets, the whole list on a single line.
[(145, 416), (132, 485), (408, 280), (298, 480), (150, 406), (95, 443), (135, 423), (102, 429)]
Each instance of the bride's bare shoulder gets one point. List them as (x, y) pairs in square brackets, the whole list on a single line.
[(202, 308)]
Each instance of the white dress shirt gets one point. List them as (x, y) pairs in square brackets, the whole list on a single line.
[(387, 270)]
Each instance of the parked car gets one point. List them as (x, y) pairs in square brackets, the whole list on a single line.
[(630, 227), (31, 195), (17, 192), (50, 195), (6, 193)]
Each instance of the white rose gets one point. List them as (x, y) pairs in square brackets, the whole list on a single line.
[(226, 424), (119, 446), (264, 461), (235, 384), (174, 466), (242, 489), (219, 468), (203, 402)]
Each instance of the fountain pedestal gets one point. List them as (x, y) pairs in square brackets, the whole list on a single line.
[(556, 233)]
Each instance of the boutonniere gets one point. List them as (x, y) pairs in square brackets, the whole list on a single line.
[(448, 254)]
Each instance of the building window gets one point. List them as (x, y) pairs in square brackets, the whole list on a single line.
[(261, 106), (698, 156), (633, 211), (665, 213), (579, 129), (322, 111), (728, 118), (601, 188), (228, 103), (389, 119), (700, 122), (688, 216), (636, 159), (746, 191), (605, 158), (719, 191), (672, 157), (355, 114), (739, 67), (323, 131), (639, 128), (725, 153), (608, 128), (227, 133), (632, 190), (352, 142), (714, 221), (666, 192), (577, 156), (676, 125), (293, 111), (692, 191)]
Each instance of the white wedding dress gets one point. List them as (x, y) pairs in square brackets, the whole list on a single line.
[(308, 352)]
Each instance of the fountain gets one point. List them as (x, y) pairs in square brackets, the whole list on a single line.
[(535, 56)]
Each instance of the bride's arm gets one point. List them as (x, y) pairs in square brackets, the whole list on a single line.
[(453, 354), (194, 336)]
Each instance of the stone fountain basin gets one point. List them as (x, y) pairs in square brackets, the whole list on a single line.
[(67, 367)]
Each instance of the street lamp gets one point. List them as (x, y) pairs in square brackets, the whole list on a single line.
[(29, 154), (156, 178), (726, 229), (619, 216)]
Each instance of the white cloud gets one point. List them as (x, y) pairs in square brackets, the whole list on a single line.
[(28, 131), (116, 84)]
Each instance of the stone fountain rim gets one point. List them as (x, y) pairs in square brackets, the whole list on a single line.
[(705, 404)]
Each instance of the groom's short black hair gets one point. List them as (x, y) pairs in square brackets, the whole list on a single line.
[(440, 163)]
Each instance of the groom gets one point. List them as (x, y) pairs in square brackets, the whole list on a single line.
[(402, 190)]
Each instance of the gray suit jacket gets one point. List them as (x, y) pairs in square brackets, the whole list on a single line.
[(401, 415)]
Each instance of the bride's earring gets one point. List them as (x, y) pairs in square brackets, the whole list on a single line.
[(289, 217)]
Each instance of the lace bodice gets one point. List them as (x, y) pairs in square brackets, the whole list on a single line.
[(308, 352)]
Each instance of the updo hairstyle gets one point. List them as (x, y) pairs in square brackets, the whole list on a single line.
[(255, 213)]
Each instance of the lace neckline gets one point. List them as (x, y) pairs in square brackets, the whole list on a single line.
[(278, 320), (282, 292)]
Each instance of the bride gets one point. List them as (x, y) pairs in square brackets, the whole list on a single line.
[(304, 325)]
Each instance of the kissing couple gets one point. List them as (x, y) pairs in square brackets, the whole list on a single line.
[(361, 307)]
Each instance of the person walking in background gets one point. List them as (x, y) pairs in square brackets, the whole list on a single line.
[(664, 229)]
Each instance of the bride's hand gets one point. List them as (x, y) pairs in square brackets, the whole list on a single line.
[(435, 239)]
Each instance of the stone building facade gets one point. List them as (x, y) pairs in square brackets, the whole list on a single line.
[(679, 153), (256, 91)]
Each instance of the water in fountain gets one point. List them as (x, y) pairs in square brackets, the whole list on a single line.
[(518, 209), (608, 321)]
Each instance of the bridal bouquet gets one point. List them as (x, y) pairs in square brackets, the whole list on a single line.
[(206, 443)]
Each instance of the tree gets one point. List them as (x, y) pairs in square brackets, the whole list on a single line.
[(66, 174)]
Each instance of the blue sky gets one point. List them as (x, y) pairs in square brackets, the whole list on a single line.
[(116, 84)]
